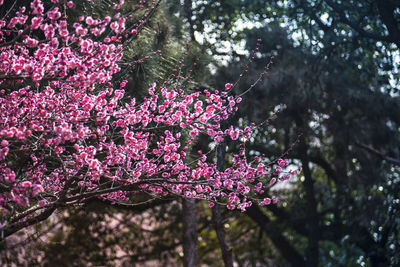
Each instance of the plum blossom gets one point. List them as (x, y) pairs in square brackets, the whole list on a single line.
[(79, 137)]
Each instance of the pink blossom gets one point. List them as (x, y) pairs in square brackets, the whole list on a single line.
[(114, 26), (36, 21), (41, 203), (234, 134), (266, 201), (26, 184), (54, 14), (89, 20)]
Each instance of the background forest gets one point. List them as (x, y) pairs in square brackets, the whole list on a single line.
[(332, 93)]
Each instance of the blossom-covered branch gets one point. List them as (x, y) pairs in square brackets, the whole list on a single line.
[(68, 134)]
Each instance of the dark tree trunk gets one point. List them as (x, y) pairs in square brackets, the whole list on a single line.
[(312, 252), (189, 233), (313, 228), (219, 229), (216, 215)]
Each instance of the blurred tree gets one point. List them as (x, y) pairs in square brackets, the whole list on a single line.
[(344, 208)]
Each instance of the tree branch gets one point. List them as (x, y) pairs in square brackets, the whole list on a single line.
[(356, 27), (15, 227), (379, 154)]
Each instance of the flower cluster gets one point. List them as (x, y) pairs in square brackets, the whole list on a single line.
[(66, 134)]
